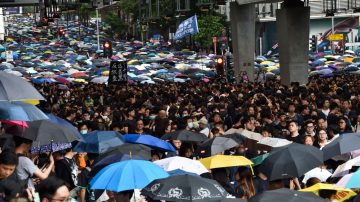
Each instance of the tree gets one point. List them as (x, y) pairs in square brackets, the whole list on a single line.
[(209, 26), (117, 25), (84, 13)]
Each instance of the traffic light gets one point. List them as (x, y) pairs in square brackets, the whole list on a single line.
[(61, 32), (107, 48), (313, 44), (219, 65)]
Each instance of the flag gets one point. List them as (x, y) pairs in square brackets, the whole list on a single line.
[(186, 28)]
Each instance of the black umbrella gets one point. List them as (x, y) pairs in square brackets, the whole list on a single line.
[(286, 195), (185, 188), (216, 145), (15, 88), (235, 136), (292, 160), (343, 144), (44, 132), (185, 135)]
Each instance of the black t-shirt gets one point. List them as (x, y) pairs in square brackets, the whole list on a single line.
[(297, 139), (83, 183), (131, 124), (66, 170)]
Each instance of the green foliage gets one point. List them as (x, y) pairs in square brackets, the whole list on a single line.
[(129, 6), (116, 24), (209, 26)]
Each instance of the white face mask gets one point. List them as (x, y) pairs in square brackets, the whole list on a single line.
[(191, 125), (83, 131)]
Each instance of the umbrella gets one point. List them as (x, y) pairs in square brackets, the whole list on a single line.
[(354, 180), (185, 135), (185, 188), (274, 142), (181, 163), (259, 159), (345, 167), (20, 111), (62, 80), (217, 145), (150, 141), (127, 175), (321, 174), (180, 172), (15, 88), (62, 122), (99, 142), (223, 161), (341, 193), (131, 149), (285, 195), (17, 123), (292, 160), (54, 147), (343, 144), (44, 132)]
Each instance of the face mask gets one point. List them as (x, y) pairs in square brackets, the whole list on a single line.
[(83, 131), (152, 117), (191, 125)]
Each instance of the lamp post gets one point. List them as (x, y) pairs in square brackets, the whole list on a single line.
[(97, 28)]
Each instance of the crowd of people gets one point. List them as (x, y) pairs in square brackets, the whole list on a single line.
[(312, 114)]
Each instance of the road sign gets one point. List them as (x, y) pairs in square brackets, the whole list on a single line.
[(118, 72), (336, 37)]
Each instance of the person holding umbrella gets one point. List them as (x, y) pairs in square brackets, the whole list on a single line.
[(26, 168)]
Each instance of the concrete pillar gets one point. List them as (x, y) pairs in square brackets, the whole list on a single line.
[(293, 34), (243, 38)]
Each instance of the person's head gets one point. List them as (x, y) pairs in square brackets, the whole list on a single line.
[(177, 144), (217, 118), (247, 123), (123, 196), (291, 108), (308, 140), (312, 181), (8, 162), (346, 104), (83, 128), (186, 150), (326, 104), (309, 126), (322, 123), (203, 123), (322, 135), (53, 189), (293, 127), (131, 113), (342, 123), (139, 124), (334, 107), (22, 145), (327, 194)]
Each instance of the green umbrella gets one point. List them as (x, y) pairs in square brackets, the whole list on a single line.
[(259, 159)]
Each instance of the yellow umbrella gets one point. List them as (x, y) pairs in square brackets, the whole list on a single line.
[(266, 62), (341, 194), (48, 52), (9, 39), (223, 161), (80, 80), (105, 73), (132, 62), (350, 60), (33, 102)]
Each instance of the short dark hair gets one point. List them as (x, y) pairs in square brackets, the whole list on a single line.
[(8, 157), (20, 140), (48, 187)]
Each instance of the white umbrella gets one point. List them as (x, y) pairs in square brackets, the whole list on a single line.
[(321, 174), (100, 80), (148, 82), (252, 135), (274, 142), (182, 163), (344, 168)]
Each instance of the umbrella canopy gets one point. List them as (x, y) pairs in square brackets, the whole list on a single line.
[(354, 180), (150, 141), (343, 144), (223, 161), (341, 193), (127, 175), (285, 195), (62, 122), (20, 111), (292, 160), (15, 88), (321, 174), (44, 132), (182, 163), (216, 145), (185, 188), (274, 142), (185, 135), (344, 168), (100, 142)]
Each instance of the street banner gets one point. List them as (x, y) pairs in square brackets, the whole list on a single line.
[(118, 72), (186, 28)]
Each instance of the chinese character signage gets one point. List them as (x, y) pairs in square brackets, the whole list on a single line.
[(118, 72), (186, 28)]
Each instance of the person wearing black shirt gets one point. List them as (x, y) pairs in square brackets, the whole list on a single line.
[(66, 169)]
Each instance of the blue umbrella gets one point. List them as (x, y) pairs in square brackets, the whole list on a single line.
[(127, 175), (63, 122), (354, 181), (181, 172), (100, 142), (20, 111), (150, 141)]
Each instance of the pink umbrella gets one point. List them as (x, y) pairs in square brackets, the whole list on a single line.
[(18, 123), (62, 80), (342, 182)]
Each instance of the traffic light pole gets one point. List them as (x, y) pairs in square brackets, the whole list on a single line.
[(97, 28)]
